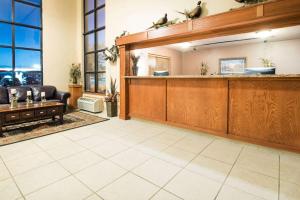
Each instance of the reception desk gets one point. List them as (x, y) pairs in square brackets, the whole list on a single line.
[(259, 109)]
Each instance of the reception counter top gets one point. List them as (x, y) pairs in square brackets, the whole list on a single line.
[(263, 109), (233, 76)]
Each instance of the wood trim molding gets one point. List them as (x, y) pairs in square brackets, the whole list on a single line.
[(273, 14)]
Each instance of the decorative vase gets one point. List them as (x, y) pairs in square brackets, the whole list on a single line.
[(112, 109), (135, 70), (75, 82)]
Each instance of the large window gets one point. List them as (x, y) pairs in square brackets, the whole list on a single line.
[(94, 45), (21, 42)]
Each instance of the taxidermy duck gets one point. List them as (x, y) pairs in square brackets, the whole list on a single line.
[(247, 2), (193, 14), (161, 22), (113, 53)]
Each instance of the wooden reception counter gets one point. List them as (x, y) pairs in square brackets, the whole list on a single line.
[(259, 109)]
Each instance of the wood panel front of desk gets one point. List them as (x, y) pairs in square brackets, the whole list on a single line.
[(198, 103), (263, 111), (266, 111)]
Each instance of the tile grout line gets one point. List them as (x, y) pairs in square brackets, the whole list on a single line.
[(229, 173), (13, 179), (183, 168)]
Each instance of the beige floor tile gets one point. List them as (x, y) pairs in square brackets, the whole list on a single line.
[(18, 150), (35, 179), (28, 162), (168, 138), (130, 159), (223, 150), (131, 139), (289, 168), (157, 171), (192, 145), (230, 193), (68, 188), (80, 161), (110, 149), (77, 134), (93, 141), (164, 195), (8, 190), (289, 191), (191, 186), (52, 141), (64, 151), (99, 175), (4, 174), (259, 162), (94, 197), (176, 156), (254, 183), (151, 147), (128, 187), (210, 168)]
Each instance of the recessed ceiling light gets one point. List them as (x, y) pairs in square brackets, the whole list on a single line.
[(184, 45), (265, 34)]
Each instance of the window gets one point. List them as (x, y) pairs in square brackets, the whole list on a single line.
[(94, 45), (21, 42)]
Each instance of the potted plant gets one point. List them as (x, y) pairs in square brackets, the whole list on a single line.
[(111, 99), (75, 73)]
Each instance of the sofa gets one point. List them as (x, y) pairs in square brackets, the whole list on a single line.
[(51, 94)]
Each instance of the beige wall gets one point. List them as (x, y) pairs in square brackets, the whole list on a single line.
[(285, 54), (62, 40)]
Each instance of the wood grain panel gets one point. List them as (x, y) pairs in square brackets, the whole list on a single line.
[(124, 90), (227, 18), (147, 99), (172, 30), (265, 110), (281, 7), (198, 103)]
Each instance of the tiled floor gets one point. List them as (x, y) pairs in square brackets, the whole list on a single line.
[(137, 160)]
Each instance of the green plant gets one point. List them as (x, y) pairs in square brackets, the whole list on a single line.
[(267, 63), (112, 95), (204, 68), (75, 73)]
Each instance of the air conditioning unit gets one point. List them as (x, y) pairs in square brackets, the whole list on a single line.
[(93, 105)]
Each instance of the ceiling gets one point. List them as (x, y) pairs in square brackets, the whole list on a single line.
[(288, 33)]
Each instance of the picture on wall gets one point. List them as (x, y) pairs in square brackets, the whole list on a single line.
[(233, 65)]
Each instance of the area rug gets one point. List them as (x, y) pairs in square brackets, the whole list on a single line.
[(26, 131)]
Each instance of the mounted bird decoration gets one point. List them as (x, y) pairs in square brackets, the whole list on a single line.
[(194, 13), (163, 22), (247, 2), (160, 23), (113, 53)]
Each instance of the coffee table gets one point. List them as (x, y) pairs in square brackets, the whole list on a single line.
[(34, 112)]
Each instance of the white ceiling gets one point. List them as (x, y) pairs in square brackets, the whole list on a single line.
[(246, 38)]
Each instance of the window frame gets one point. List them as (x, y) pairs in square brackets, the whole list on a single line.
[(96, 51), (13, 46)]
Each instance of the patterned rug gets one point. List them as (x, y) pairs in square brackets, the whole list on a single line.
[(26, 131)]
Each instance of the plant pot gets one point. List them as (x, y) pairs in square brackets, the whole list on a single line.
[(75, 81), (112, 109)]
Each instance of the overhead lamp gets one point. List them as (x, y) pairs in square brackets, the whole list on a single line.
[(265, 34), (184, 45)]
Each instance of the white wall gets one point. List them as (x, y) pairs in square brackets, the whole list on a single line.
[(62, 40), (285, 55)]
